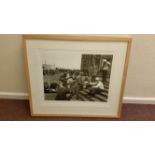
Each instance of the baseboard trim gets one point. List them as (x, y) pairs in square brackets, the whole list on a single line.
[(139, 100), (12, 95), (132, 100)]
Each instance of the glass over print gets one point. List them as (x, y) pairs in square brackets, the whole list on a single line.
[(71, 75)]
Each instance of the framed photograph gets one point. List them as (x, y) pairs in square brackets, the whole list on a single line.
[(76, 75)]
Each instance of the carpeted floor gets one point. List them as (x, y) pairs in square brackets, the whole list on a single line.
[(18, 110)]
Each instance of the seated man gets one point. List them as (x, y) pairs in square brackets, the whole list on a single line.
[(53, 87), (97, 87), (63, 93), (70, 82)]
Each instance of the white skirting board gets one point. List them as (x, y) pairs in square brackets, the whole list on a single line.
[(139, 100), (132, 100), (12, 95)]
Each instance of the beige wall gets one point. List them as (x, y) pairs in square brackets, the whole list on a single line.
[(141, 73), (12, 76)]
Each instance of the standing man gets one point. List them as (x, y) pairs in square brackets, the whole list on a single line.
[(106, 65)]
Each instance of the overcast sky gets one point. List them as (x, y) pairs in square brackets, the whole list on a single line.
[(69, 60)]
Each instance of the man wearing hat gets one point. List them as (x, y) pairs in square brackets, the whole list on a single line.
[(97, 87)]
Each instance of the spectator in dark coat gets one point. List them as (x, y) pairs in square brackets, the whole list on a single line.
[(46, 87), (63, 92)]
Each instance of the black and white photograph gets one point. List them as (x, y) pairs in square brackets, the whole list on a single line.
[(73, 76), (70, 75)]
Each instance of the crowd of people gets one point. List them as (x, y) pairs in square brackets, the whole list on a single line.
[(70, 83)]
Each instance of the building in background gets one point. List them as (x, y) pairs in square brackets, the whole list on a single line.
[(48, 69), (97, 65)]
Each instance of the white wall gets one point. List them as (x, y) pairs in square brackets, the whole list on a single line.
[(141, 74)]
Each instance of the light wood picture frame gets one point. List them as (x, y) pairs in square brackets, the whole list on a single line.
[(76, 75)]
